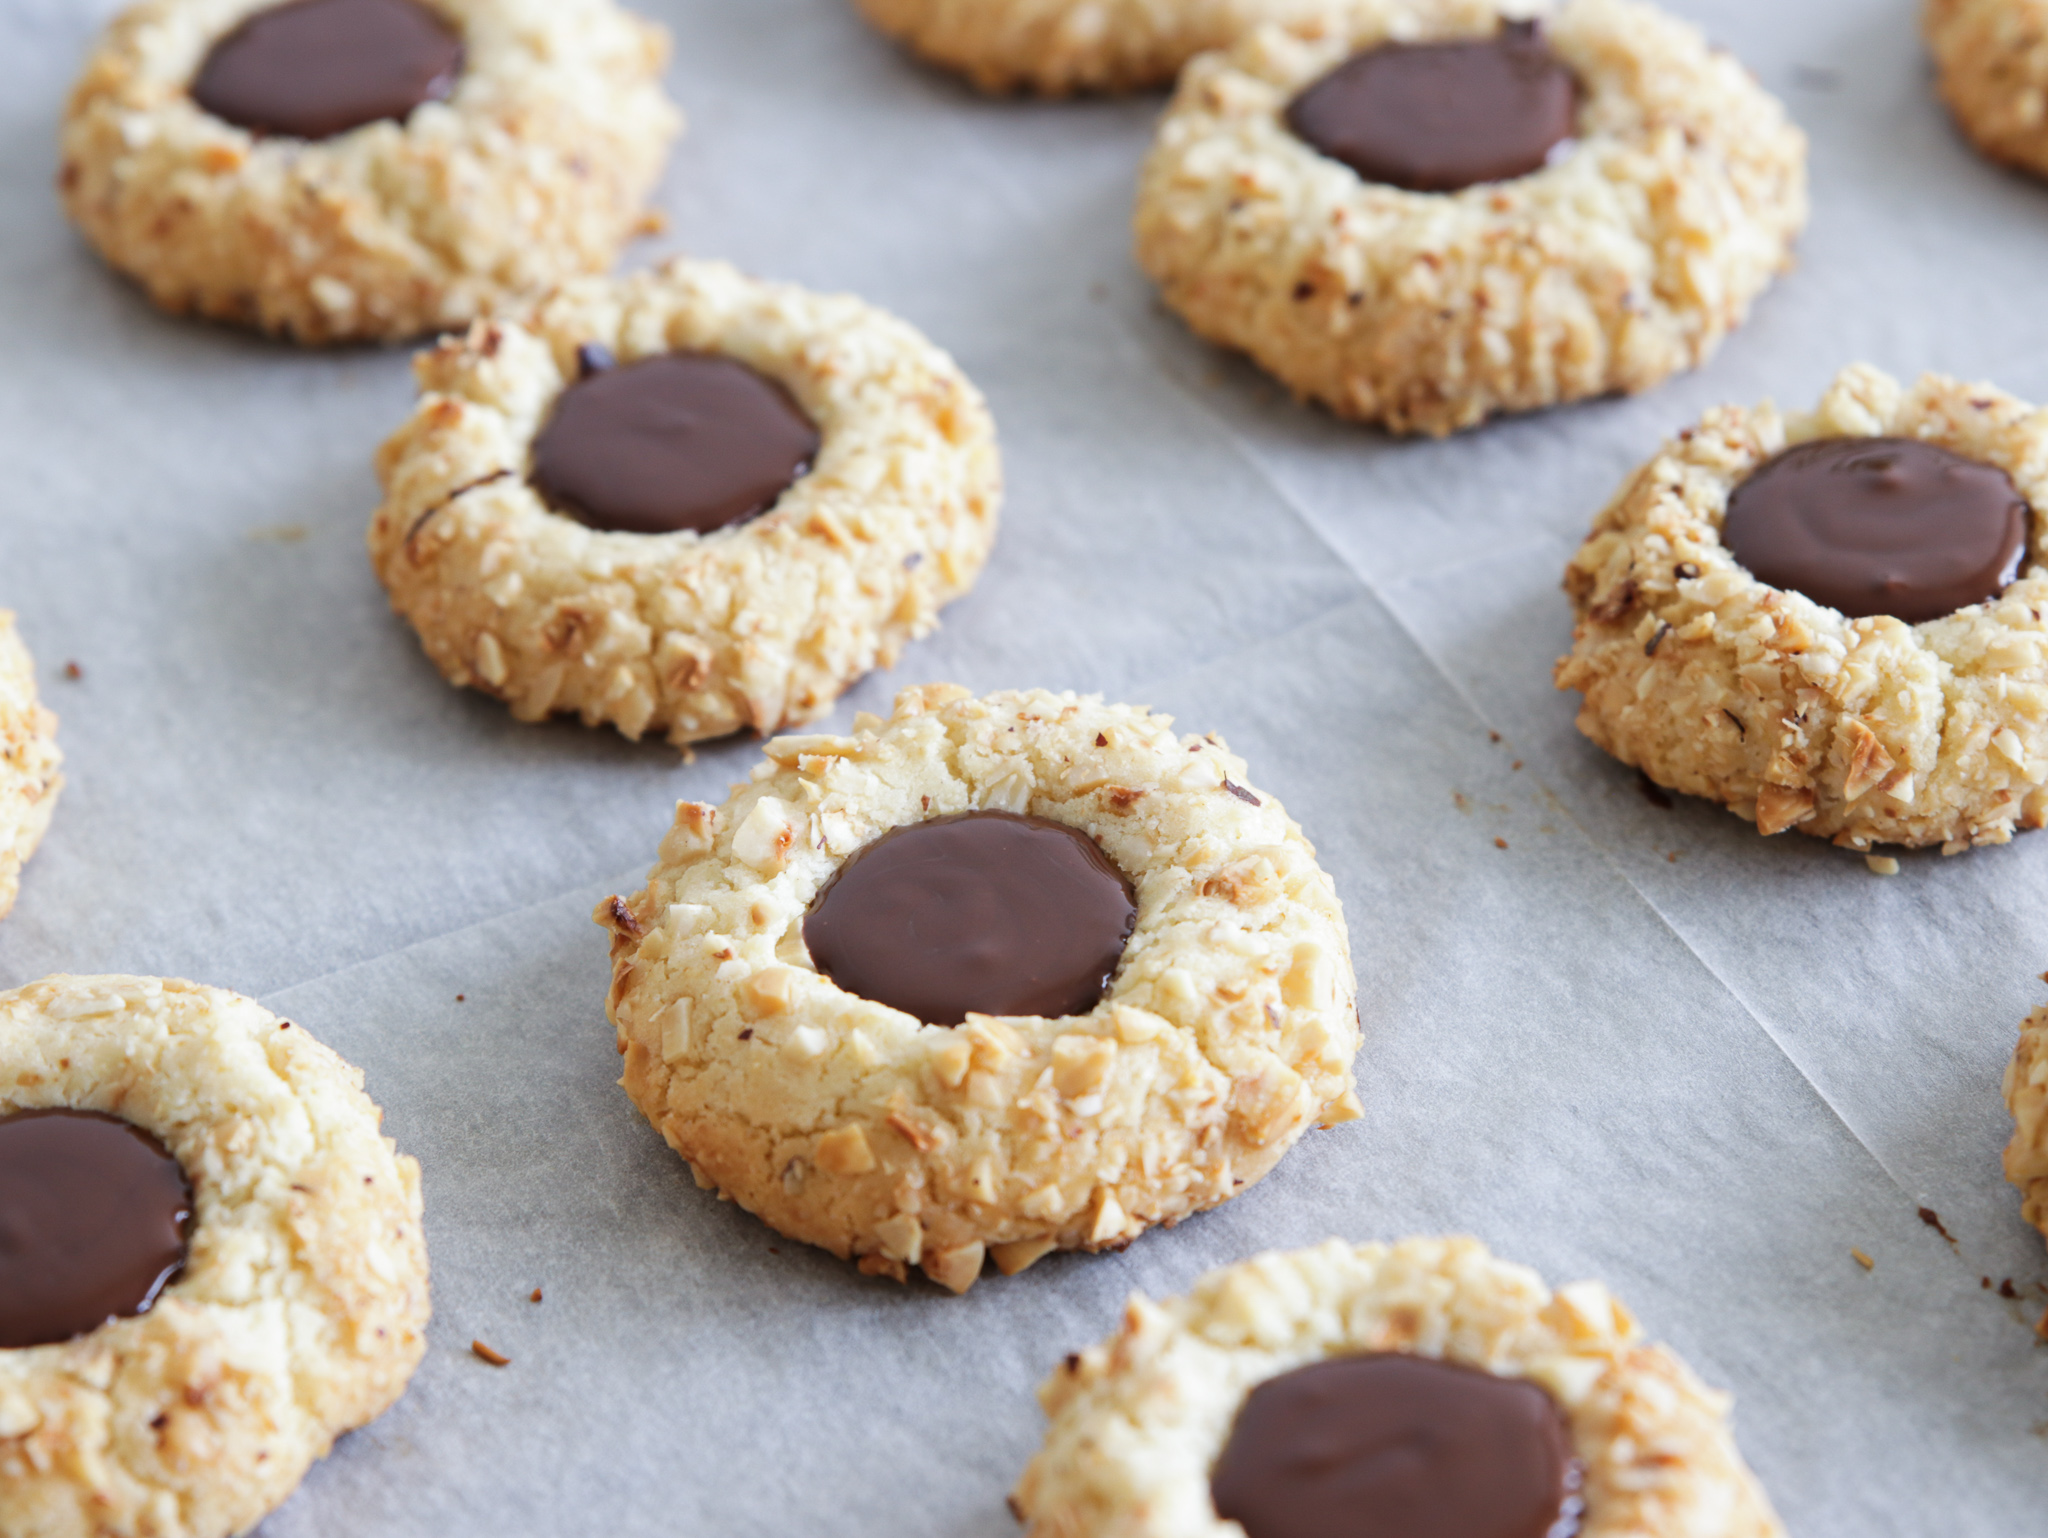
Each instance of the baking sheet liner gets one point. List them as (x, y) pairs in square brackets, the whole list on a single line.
[(1637, 1042)]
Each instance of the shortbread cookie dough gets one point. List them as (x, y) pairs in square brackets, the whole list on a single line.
[(1863, 728), (2026, 1096), (518, 531), (1992, 59), (1602, 262), (1059, 47), (224, 1268), (346, 170), (1513, 1408), (29, 777), (1151, 973)]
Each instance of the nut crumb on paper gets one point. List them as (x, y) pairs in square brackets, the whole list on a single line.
[(485, 1353)]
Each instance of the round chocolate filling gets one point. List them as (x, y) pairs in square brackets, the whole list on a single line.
[(1436, 117), (1398, 1446), (311, 69), (682, 440), (984, 911), (1879, 526), (94, 1217)]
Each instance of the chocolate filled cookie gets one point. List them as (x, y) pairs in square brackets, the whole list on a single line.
[(29, 775), (1991, 59), (1060, 47), (1831, 622), (1420, 213), (211, 1264), (988, 979), (685, 502), (350, 170), (1415, 1390)]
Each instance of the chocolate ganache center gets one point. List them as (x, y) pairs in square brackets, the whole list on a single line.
[(984, 911), (681, 440), (1437, 117), (1879, 526), (1398, 1446), (311, 69), (94, 1219)]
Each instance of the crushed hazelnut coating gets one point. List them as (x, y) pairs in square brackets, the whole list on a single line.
[(1227, 1031), (1865, 731)]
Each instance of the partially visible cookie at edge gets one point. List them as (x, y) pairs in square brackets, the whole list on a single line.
[(29, 774), (1669, 203), (1226, 1030), (1991, 61), (2026, 1096), (299, 1305), (758, 623), (526, 163), (1064, 47), (1151, 1429)]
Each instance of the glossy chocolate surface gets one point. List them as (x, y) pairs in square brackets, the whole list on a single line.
[(311, 69), (681, 440), (1879, 526), (1437, 117), (94, 1219), (1398, 1446), (984, 911)]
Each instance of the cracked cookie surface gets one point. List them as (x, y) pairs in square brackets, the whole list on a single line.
[(536, 168), (1061, 47), (1991, 59), (1866, 731), (760, 624), (1137, 1422), (1629, 257), (29, 760), (1227, 1030), (302, 1308)]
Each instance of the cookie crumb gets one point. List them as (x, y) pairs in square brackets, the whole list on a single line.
[(1463, 804), (2007, 1290), (485, 1353), (1516, 764), (1493, 736), (1933, 1220), (1881, 864), (73, 671), (461, 998), (1862, 1259), (1500, 843), (534, 1296)]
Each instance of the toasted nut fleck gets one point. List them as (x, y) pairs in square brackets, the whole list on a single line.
[(1862, 1259), (845, 1151), (495, 1358), (1021, 1254)]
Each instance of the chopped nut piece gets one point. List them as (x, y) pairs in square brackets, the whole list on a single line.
[(1021, 1254), (1862, 1259), (845, 1152), (495, 1358)]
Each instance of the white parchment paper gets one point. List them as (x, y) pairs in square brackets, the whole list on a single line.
[(1638, 1043)]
